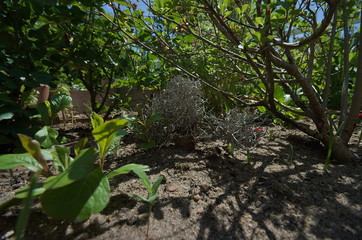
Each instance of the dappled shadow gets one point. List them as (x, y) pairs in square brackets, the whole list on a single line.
[(278, 195)]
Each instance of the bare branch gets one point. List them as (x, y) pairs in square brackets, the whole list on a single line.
[(317, 33)]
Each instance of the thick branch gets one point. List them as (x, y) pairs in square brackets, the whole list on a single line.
[(356, 99)]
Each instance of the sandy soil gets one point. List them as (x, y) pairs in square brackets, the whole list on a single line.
[(210, 194)]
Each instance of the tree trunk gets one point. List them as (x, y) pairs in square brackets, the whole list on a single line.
[(356, 99), (340, 152)]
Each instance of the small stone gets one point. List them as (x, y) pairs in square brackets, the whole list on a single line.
[(200, 211), (8, 234), (197, 197), (173, 187), (109, 219)]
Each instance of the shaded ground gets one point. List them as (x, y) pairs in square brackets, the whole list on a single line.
[(210, 194)]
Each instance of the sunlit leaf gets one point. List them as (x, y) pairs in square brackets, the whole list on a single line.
[(96, 120), (9, 161), (78, 200), (82, 165), (104, 134), (126, 169), (47, 137)]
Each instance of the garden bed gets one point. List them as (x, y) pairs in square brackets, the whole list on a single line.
[(210, 194)]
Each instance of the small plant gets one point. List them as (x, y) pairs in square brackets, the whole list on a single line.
[(181, 105), (49, 109), (152, 192), (238, 129), (80, 175), (271, 135), (249, 159), (106, 134), (142, 127)]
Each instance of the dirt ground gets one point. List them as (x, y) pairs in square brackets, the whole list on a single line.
[(210, 194)]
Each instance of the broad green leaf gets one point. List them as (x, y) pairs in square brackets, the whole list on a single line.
[(4, 116), (238, 11), (24, 192), (104, 134), (61, 158), (189, 38), (9, 161), (258, 35), (80, 145), (47, 137), (96, 120), (83, 164), (156, 117), (228, 13), (59, 102), (126, 169), (226, 3), (259, 20), (120, 134), (45, 111), (78, 200), (144, 179), (41, 77), (244, 8)]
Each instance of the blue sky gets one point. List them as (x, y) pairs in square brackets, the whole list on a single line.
[(140, 5)]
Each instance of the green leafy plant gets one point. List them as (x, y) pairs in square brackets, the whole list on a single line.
[(142, 127), (81, 175), (106, 133), (152, 192), (49, 109)]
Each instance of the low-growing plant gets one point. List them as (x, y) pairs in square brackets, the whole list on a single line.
[(152, 192), (181, 106), (142, 127), (49, 109), (239, 129), (80, 175)]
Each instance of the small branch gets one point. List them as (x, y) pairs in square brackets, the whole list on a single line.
[(317, 33)]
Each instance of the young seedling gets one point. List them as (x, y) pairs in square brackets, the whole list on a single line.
[(271, 135), (152, 192), (248, 157), (106, 133), (290, 154)]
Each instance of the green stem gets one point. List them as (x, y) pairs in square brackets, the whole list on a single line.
[(248, 157), (23, 218)]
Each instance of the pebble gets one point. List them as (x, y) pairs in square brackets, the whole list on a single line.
[(197, 197), (8, 234), (200, 211), (173, 187)]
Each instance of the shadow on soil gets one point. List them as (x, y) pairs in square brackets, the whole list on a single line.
[(270, 198)]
